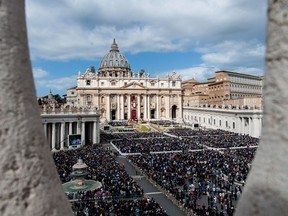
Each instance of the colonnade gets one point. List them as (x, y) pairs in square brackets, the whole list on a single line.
[(249, 125), (237, 121), (57, 129)]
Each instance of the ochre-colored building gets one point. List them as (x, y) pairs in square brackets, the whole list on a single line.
[(225, 88)]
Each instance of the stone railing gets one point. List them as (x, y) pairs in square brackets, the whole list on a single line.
[(69, 110), (225, 107)]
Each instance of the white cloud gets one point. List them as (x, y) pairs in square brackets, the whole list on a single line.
[(62, 83), (39, 73), (45, 82), (83, 29), (230, 54), (229, 35), (200, 73)]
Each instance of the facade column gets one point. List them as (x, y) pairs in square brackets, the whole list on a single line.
[(157, 107), (129, 106), (118, 106), (62, 135), (108, 108), (83, 133), (138, 106), (53, 143), (179, 116), (94, 132), (97, 100), (122, 106), (145, 107), (167, 106), (70, 127), (148, 109)]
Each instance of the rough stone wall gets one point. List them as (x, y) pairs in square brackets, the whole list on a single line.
[(29, 184), (266, 192)]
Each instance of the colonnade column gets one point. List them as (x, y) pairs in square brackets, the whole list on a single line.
[(62, 135), (238, 125), (145, 106), (138, 107), (78, 127), (108, 108), (70, 128), (45, 130), (83, 133), (243, 126), (259, 125), (129, 106), (53, 144), (118, 106), (148, 109), (97, 131), (94, 132), (251, 127)]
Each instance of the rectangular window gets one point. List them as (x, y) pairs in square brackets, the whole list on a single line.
[(102, 83), (173, 84), (88, 82)]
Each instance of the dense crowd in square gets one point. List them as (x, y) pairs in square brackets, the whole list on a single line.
[(189, 140), (154, 145), (118, 123), (205, 182), (183, 132), (165, 123), (117, 185)]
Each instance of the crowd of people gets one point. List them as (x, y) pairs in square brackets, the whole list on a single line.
[(118, 123), (206, 182), (116, 183), (165, 123), (183, 140), (128, 145), (188, 132), (111, 207), (215, 138)]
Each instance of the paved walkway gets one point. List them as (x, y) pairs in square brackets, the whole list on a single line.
[(150, 190)]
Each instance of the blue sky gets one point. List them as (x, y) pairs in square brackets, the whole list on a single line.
[(194, 38)]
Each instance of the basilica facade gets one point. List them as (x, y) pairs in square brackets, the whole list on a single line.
[(120, 94)]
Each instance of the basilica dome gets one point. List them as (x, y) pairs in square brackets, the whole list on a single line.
[(114, 59)]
